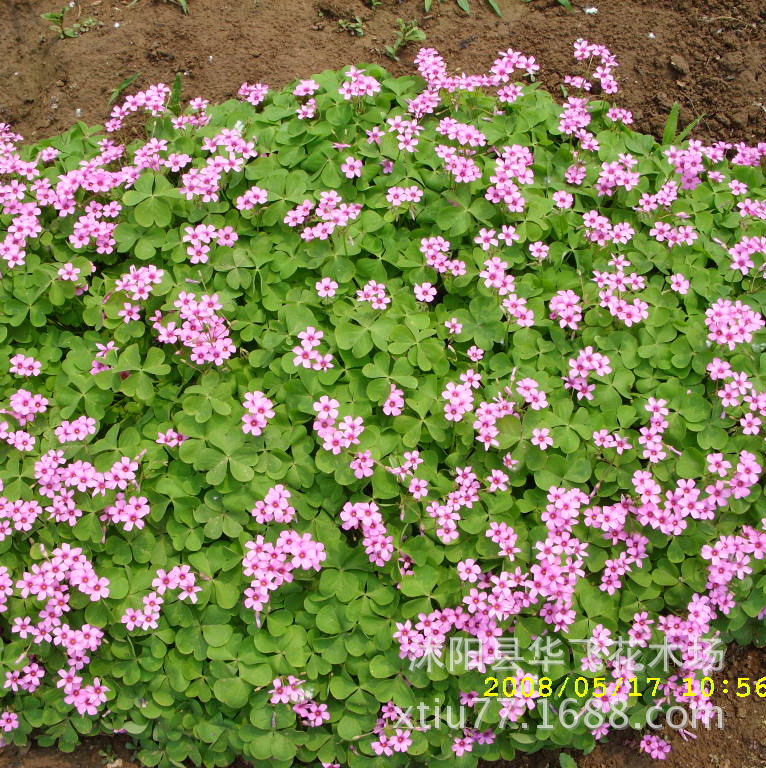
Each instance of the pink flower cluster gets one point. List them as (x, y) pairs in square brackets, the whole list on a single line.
[(21, 365), (331, 212), (585, 51), (654, 746), (599, 230), (271, 565), (662, 232), (254, 93), (200, 237), (618, 174), (180, 578), (363, 465), (138, 281), (358, 85), (394, 404), (588, 361), (651, 436), (754, 208), (512, 167), (171, 438), (739, 393), (566, 308), (621, 115), (197, 119), (459, 400), (665, 197), (378, 545), (307, 355), (59, 481), (335, 439), (259, 410), (459, 163), (407, 132), (447, 514), (575, 120), (688, 163), (25, 407), (49, 581), (495, 276), (611, 284), (729, 559), (202, 331), (79, 429), (505, 537), (149, 156), (462, 133), (732, 323), (605, 439), (399, 195), (435, 249), (91, 225), (205, 182), (391, 739), (129, 512), (6, 582), (102, 351), (412, 460), (374, 293), (311, 713), (252, 197), (487, 416), (309, 107), (742, 252), (275, 507), (433, 69), (151, 100)]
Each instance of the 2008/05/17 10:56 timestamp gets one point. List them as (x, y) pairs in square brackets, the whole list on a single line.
[(530, 687)]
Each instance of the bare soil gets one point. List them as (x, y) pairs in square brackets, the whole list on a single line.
[(709, 55)]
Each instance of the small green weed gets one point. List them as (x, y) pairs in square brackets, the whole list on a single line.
[(464, 5), (355, 27), (79, 27), (408, 32)]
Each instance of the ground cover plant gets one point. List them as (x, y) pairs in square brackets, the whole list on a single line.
[(302, 388)]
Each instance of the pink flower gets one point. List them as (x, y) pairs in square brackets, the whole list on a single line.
[(468, 570), (352, 167), (541, 438), (425, 292), (679, 284), (539, 250), (655, 747), (326, 287), (475, 353), (129, 312), (69, 272), (486, 238), (418, 488)]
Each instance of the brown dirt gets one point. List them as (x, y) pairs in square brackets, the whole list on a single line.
[(710, 55)]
